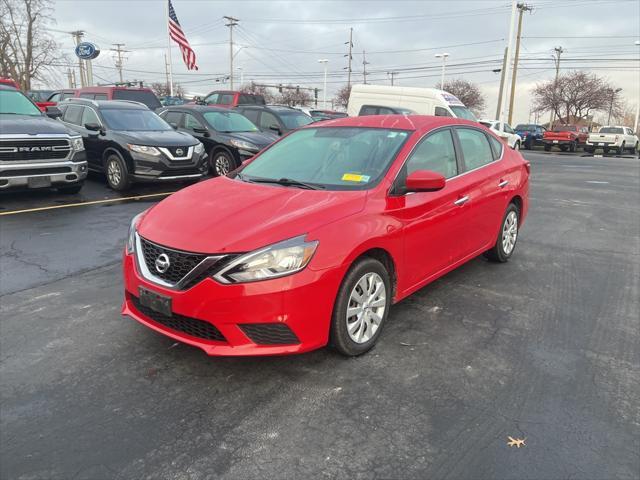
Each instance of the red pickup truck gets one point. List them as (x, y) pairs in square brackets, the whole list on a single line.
[(565, 137)]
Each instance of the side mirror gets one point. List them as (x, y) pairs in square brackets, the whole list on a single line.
[(275, 128), (425, 181), (201, 131), (53, 112), (94, 127)]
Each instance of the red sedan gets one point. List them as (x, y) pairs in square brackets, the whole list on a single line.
[(310, 242)]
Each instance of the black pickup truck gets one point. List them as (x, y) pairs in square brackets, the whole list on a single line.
[(37, 151)]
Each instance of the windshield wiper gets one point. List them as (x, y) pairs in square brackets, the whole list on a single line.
[(287, 182)]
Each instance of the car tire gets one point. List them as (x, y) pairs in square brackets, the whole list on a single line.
[(547, 148), (117, 173), (605, 151), (221, 162), (356, 334), (563, 148), (573, 146), (635, 148), (507, 236), (621, 149), (71, 189)]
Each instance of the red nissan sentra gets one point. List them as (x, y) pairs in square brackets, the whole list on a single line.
[(310, 242)]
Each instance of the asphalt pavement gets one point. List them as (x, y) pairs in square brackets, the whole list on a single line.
[(545, 348)]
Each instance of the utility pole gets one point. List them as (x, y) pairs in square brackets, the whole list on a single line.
[(77, 37), (350, 56), (522, 7), (613, 99), (119, 62), (509, 43), (364, 66), (502, 75), (392, 75), (166, 72), (443, 56), (232, 23), (558, 51), (70, 78)]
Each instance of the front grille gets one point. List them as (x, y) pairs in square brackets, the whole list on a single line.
[(174, 152), (177, 172), (54, 149), (23, 172), (181, 263), (269, 333), (180, 323)]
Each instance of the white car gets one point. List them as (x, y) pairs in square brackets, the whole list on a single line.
[(612, 138), (504, 131)]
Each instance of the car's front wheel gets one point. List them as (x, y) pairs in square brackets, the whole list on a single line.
[(507, 237), (117, 174), (361, 307), (221, 163)]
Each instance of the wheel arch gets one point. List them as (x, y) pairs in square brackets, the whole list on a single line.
[(384, 257), (222, 147), (116, 151), (517, 201)]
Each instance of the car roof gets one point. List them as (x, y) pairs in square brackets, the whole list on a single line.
[(106, 104), (197, 108), (6, 86), (400, 122)]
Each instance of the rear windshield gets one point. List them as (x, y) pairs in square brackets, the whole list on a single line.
[(143, 96), (245, 99), (526, 128), (610, 130), (565, 128), (463, 112)]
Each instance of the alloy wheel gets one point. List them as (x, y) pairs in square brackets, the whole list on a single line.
[(222, 164), (366, 307), (114, 172), (510, 232)]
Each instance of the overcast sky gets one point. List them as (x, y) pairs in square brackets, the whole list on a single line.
[(282, 41)]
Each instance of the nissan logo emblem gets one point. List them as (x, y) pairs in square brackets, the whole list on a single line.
[(179, 151), (162, 263)]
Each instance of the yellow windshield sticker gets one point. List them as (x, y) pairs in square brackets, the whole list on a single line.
[(355, 177)]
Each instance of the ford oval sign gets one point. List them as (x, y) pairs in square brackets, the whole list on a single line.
[(87, 51)]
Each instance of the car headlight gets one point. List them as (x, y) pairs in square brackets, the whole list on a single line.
[(131, 238), (77, 144), (277, 260), (144, 149), (199, 148), (243, 145)]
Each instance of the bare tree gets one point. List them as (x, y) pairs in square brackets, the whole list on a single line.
[(294, 96), (257, 89), (468, 93), (342, 96), (162, 89), (27, 50), (576, 94)]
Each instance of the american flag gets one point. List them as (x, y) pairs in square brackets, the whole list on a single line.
[(176, 33)]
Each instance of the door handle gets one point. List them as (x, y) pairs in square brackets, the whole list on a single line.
[(461, 200), (503, 183)]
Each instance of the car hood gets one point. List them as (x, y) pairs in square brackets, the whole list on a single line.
[(226, 215), (259, 139), (164, 138), (32, 125)]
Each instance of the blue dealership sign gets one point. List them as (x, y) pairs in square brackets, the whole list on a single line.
[(87, 51)]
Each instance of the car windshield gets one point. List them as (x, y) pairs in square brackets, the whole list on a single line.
[(338, 158), (566, 128), (293, 120), (229, 122), (136, 120), (16, 103), (463, 112), (525, 128), (611, 130), (146, 97)]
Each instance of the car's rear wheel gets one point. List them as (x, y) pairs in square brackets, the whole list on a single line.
[(547, 148), (361, 307), (621, 149), (221, 163), (573, 146), (117, 173), (507, 237)]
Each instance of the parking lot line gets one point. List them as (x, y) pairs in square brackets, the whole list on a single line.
[(81, 204)]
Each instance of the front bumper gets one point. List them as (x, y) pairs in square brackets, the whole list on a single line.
[(148, 168), (59, 173), (301, 304)]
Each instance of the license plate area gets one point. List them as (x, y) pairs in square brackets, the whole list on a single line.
[(39, 182), (155, 301), (555, 141)]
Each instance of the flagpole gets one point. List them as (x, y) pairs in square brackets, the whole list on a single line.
[(169, 53)]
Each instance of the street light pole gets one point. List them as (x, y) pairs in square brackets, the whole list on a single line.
[(324, 88), (613, 97), (443, 56)]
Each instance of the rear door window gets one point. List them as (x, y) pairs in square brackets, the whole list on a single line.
[(89, 116), (225, 99), (191, 122), (172, 117), (86, 95), (496, 146), (442, 112), (73, 114), (368, 110), (100, 96), (476, 149), (267, 120), (251, 115)]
